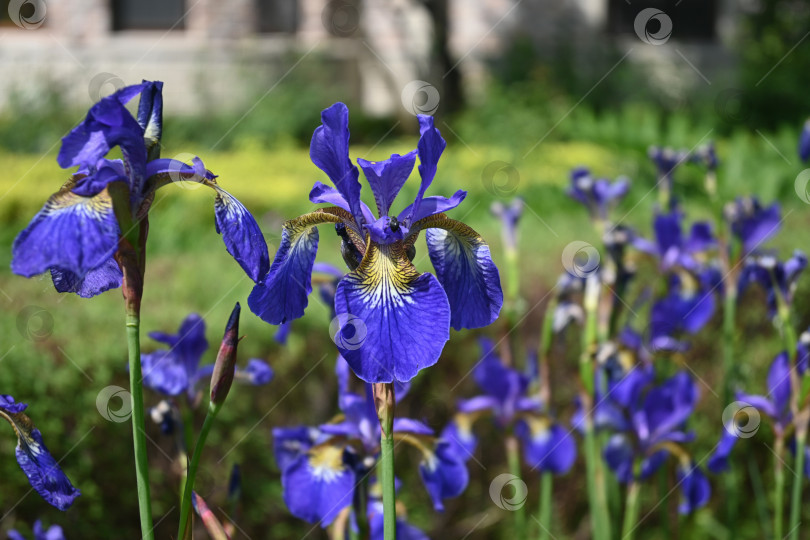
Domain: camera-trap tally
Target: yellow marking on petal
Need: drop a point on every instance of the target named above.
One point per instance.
(93, 207)
(326, 462)
(385, 276)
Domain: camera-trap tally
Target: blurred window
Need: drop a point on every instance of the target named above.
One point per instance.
(691, 21)
(148, 14)
(276, 16)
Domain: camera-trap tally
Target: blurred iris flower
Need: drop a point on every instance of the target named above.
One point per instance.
(778, 279)
(647, 422)
(407, 315)
(598, 195)
(775, 406)
(76, 235)
(804, 141)
(177, 370)
(35, 460)
(752, 223)
(672, 249)
(54, 532)
(323, 466)
(547, 445)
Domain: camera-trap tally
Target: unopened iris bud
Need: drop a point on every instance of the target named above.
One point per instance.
(384, 404)
(225, 366)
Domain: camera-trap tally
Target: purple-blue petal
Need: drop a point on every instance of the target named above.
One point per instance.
(397, 320)
(242, 236)
(430, 206)
(430, 148)
(290, 443)
(718, 462)
(695, 489)
(42, 470)
(470, 278)
(150, 110)
(105, 277)
(548, 448)
(282, 295)
(71, 232)
(318, 485)
(387, 177)
(329, 151)
(257, 372)
(444, 474)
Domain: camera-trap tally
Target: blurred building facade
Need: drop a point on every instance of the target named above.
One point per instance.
(226, 53)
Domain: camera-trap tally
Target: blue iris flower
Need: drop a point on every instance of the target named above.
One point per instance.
(327, 277)
(547, 445)
(647, 422)
(752, 223)
(407, 315)
(76, 234)
(54, 532)
(42, 470)
(598, 195)
(177, 370)
(672, 248)
(509, 214)
(778, 279)
(322, 466)
(775, 406)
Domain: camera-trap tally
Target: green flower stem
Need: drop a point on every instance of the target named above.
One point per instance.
(513, 458)
(796, 498)
(185, 503)
(387, 482)
(385, 403)
(631, 510)
(546, 484)
(730, 381)
(779, 486)
(133, 325)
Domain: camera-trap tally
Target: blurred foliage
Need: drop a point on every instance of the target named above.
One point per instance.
(775, 56)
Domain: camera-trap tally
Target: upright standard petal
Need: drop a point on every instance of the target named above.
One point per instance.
(42, 470)
(465, 269)
(387, 177)
(241, 234)
(150, 112)
(329, 151)
(72, 233)
(405, 316)
(282, 295)
(430, 148)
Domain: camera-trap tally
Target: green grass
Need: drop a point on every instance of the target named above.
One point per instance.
(188, 270)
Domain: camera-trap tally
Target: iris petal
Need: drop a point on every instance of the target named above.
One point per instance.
(282, 295)
(71, 232)
(317, 485)
(150, 111)
(465, 269)
(105, 277)
(321, 193)
(37, 463)
(387, 177)
(430, 148)
(242, 236)
(329, 151)
(444, 474)
(549, 449)
(430, 206)
(403, 316)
